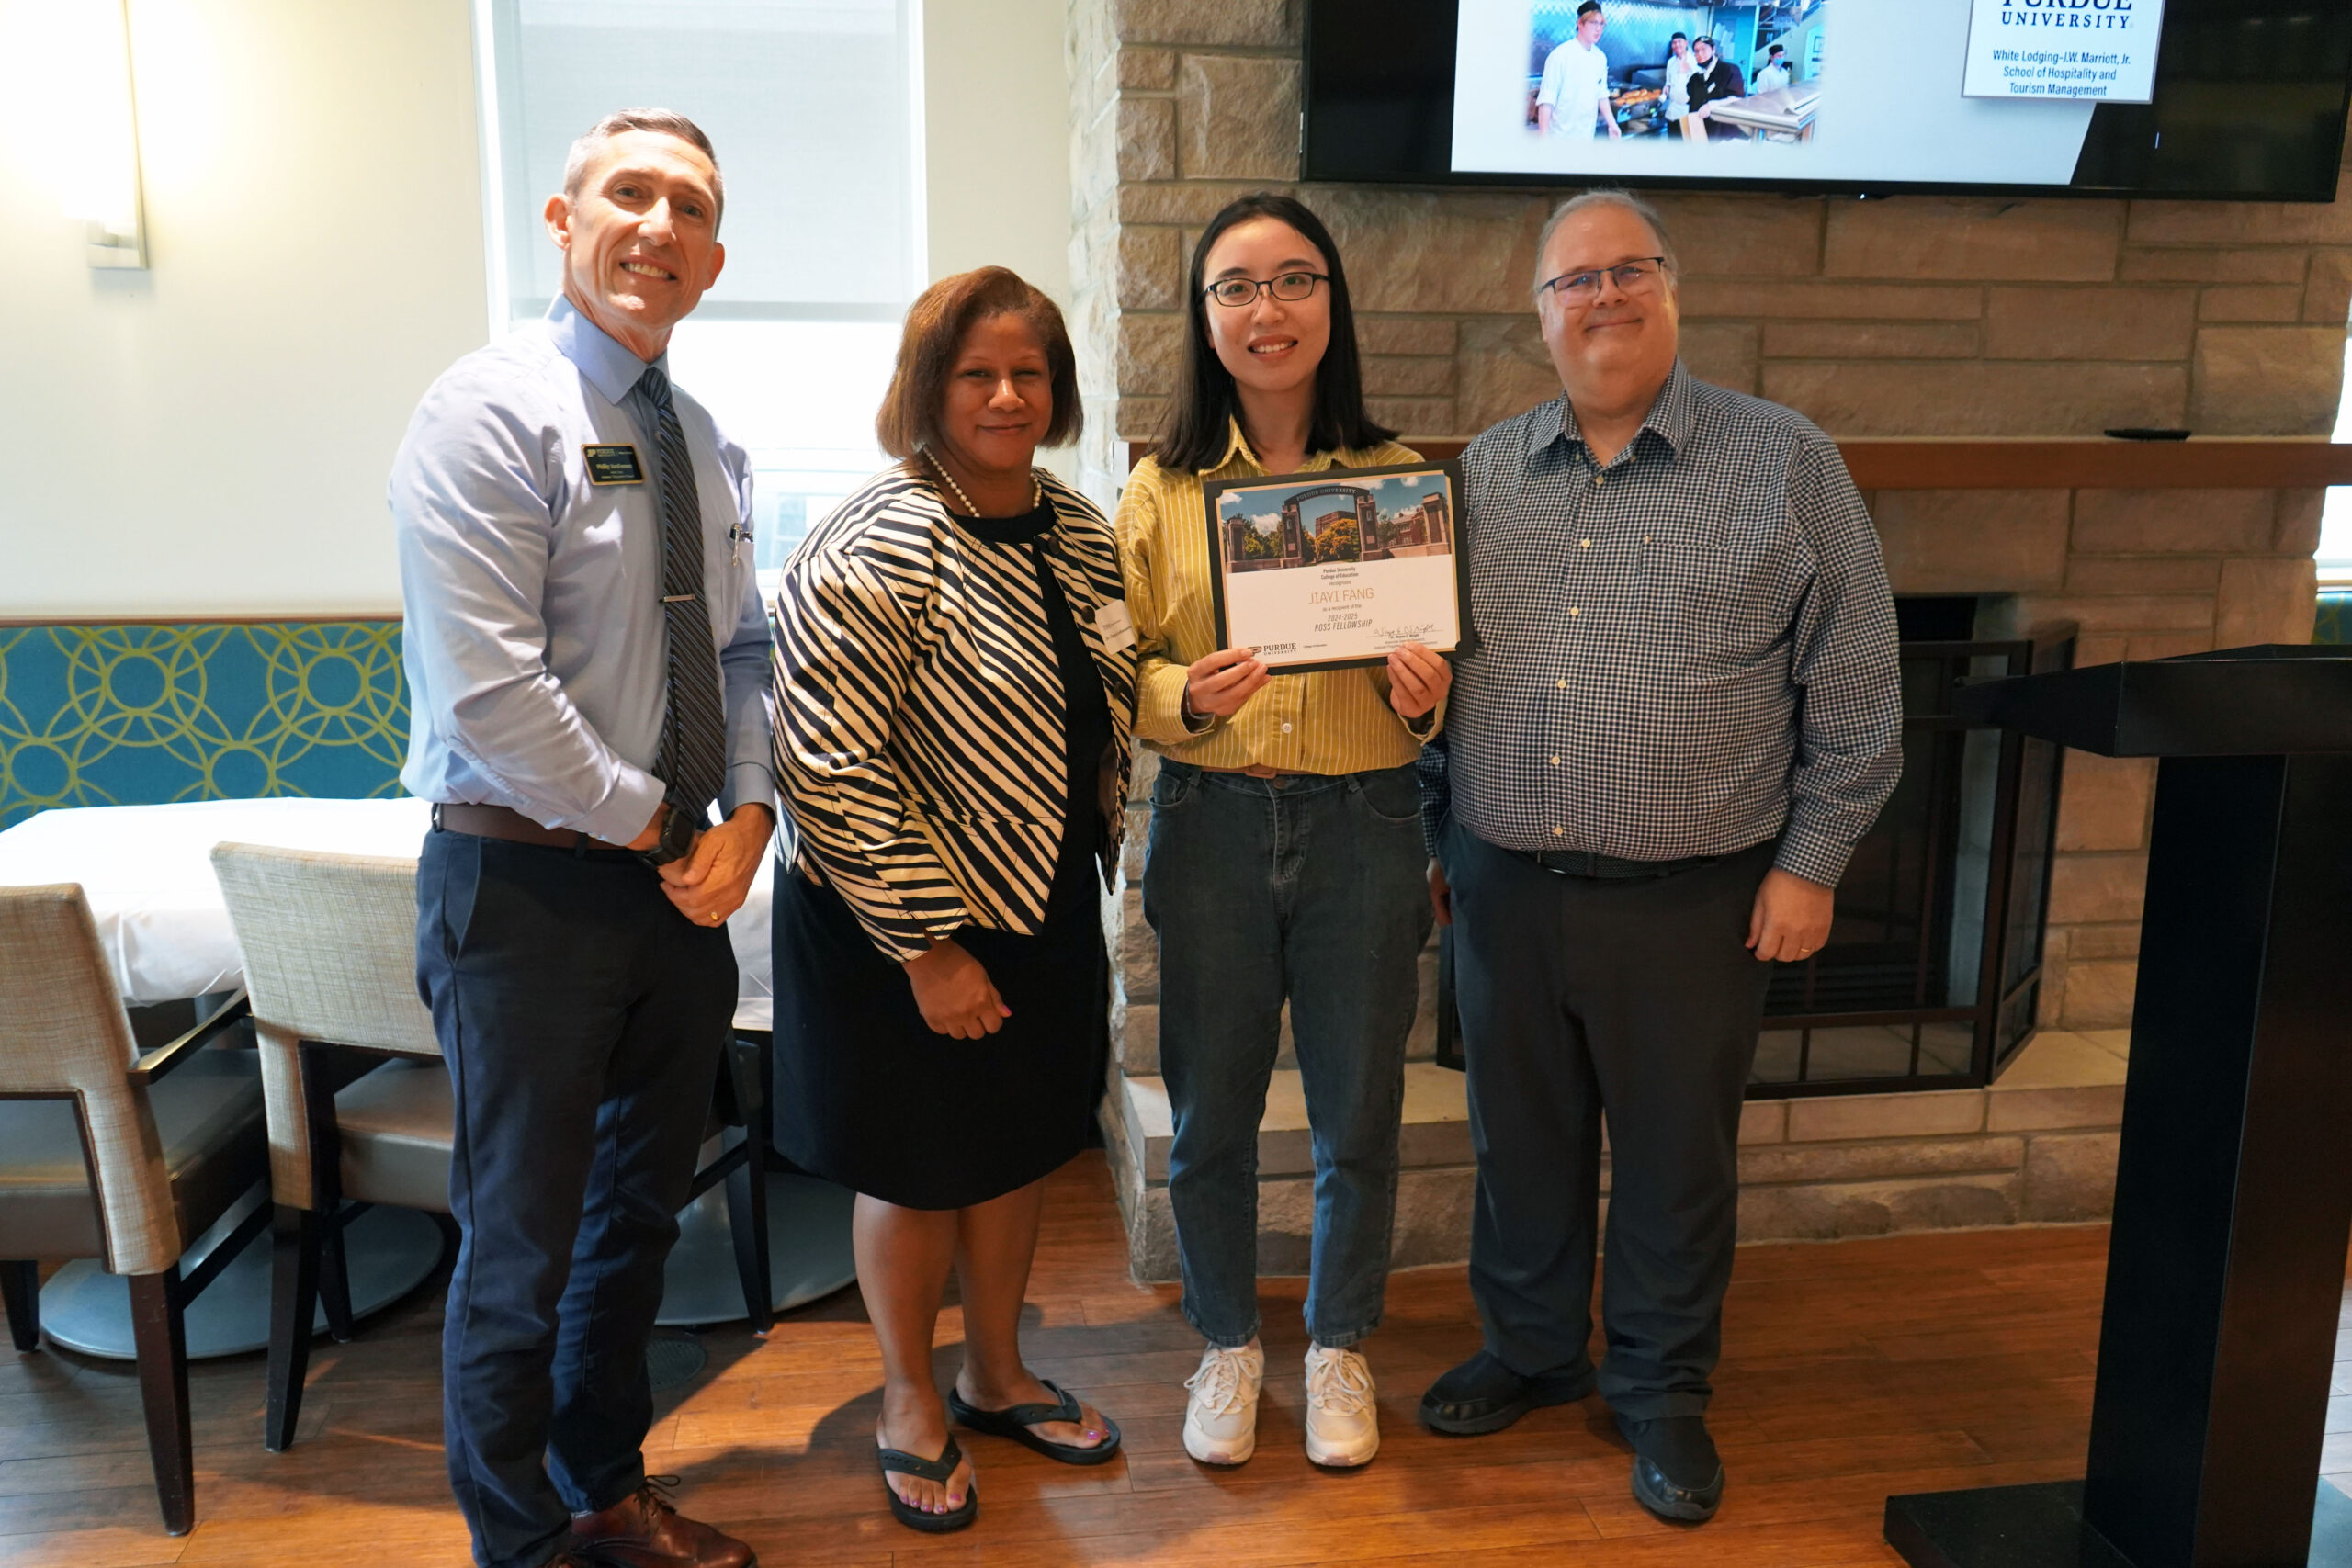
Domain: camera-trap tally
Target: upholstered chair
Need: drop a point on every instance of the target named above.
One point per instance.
(360, 1105)
(104, 1155)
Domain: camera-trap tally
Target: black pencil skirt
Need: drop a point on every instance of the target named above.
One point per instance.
(868, 1097)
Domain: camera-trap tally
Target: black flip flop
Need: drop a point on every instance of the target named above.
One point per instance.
(941, 1470)
(1015, 1420)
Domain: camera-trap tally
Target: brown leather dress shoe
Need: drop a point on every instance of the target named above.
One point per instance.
(644, 1530)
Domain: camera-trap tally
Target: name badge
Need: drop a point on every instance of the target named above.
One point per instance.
(1118, 628)
(613, 465)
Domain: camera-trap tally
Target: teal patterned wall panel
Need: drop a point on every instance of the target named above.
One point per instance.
(2335, 618)
(133, 715)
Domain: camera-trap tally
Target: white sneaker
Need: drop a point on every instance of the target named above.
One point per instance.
(1342, 1421)
(1221, 1419)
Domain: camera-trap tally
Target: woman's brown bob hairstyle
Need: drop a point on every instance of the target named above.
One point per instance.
(936, 323)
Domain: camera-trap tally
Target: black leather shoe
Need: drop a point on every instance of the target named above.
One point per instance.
(1483, 1396)
(1678, 1474)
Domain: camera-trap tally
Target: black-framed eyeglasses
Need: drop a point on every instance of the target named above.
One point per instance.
(1631, 278)
(1290, 286)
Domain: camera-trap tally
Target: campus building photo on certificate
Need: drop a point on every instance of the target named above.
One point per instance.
(1339, 566)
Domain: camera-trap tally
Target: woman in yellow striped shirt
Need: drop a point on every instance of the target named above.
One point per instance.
(1286, 860)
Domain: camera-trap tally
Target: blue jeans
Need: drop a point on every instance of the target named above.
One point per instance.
(1311, 888)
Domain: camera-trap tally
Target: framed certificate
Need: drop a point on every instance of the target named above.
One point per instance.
(1322, 570)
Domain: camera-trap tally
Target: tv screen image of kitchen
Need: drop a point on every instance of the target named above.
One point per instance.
(2198, 99)
(1715, 79)
(1955, 91)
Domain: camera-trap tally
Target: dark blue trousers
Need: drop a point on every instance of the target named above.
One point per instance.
(1638, 998)
(582, 1019)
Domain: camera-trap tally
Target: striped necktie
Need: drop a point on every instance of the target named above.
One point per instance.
(692, 759)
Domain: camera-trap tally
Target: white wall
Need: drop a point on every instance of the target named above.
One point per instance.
(996, 147)
(996, 135)
(211, 437)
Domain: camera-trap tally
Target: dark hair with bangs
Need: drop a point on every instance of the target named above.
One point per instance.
(1197, 433)
(937, 323)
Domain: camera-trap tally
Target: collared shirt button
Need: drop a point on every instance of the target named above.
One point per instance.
(1562, 685)
(1584, 543)
(1559, 832)
(1286, 727)
(1596, 479)
(1555, 761)
(1574, 610)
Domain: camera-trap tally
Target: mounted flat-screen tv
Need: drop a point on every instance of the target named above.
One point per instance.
(2225, 100)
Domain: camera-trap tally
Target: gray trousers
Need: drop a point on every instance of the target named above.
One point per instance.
(1633, 996)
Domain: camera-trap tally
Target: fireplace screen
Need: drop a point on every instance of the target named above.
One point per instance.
(1933, 969)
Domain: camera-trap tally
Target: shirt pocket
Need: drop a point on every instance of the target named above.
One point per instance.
(1711, 589)
(980, 823)
(1687, 566)
(741, 571)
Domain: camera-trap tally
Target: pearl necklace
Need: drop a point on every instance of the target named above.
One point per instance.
(1037, 487)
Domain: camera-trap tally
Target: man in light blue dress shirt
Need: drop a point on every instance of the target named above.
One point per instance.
(571, 898)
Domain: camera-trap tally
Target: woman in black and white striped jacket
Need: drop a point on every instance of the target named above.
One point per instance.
(955, 683)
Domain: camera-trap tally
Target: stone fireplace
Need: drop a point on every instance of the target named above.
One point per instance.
(1912, 318)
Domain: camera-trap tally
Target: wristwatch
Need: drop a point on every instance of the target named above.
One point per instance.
(678, 839)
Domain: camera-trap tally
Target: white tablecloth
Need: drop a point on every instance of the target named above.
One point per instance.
(147, 871)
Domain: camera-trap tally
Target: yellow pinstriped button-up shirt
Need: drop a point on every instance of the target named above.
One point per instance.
(1325, 721)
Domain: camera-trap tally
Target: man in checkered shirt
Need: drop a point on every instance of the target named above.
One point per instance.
(1684, 714)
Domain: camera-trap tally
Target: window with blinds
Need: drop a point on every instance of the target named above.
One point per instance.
(2335, 553)
(815, 109)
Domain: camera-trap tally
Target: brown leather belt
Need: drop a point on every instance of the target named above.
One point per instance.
(503, 822)
(1256, 771)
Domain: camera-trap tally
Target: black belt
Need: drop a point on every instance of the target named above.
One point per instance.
(1608, 868)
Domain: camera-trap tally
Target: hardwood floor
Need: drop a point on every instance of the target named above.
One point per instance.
(1851, 1372)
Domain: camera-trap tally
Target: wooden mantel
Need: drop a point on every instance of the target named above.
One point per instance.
(2213, 462)
(1963, 462)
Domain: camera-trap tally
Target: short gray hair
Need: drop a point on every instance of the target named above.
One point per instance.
(1609, 196)
(665, 122)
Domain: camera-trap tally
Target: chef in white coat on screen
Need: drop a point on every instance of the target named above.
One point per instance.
(1574, 98)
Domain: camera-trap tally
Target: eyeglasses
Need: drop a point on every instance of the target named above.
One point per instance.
(1237, 292)
(1635, 276)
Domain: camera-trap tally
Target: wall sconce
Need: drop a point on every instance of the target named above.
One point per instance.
(101, 184)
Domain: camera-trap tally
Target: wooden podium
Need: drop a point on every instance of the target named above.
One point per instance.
(2233, 1190)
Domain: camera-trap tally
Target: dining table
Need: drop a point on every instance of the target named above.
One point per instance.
(146, 871)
